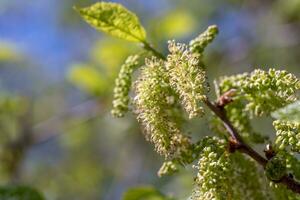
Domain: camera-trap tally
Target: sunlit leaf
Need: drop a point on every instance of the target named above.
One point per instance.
(290, 112)
(110, 53)
(87, 78)
(114, 19)
(19, 193)
(177, 23)
(144, 193)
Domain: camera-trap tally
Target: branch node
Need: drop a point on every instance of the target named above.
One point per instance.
(269, 151)
(226, 98)
(234, 145)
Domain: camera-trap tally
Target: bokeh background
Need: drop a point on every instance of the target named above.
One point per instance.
(57, 75)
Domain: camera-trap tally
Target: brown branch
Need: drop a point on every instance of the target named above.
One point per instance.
(240, 145)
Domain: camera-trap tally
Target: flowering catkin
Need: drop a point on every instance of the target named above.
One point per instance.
(270, 90)
(236, 109)
(198, 44)
(214, 169)
(264, 91)
(152, 106)
(287, 134)
(246, 180)
(122, 87)
(187, 77)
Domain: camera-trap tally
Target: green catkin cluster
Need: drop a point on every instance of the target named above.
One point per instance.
(123, 86)
(264, 91)
(198, 44)
(168, 168)
(214, 168)
(152, 106)
(287, 135)
(235, 110)
(186, 77)
(257, 93)
(270, 90)
(292, 163)
(246, 181)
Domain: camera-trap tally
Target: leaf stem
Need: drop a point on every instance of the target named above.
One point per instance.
(148, 47)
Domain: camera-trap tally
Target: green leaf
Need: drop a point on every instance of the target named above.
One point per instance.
(144, 193)
(115, 20)
(88, 79)
(19, 193)
(290, 113)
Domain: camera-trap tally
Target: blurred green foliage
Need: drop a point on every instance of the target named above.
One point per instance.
(144, 193)
(19, 193)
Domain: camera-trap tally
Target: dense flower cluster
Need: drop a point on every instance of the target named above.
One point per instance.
(257, 93)
(264, 91)
(246, 179)
(152, 105)
(122, 87)
(198, 44)
(168, 168)
(267, 91)
(214, 169)
(287, 134)
(186, 77)
(235, 110)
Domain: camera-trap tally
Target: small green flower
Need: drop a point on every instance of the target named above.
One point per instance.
(168, 168)
(287, 134)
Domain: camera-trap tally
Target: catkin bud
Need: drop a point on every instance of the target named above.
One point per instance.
(122, 87)
(198, 44)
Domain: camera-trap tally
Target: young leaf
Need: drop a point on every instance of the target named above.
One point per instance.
(291, 112)
(115, 20)
(144, 193)
(19, 193)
